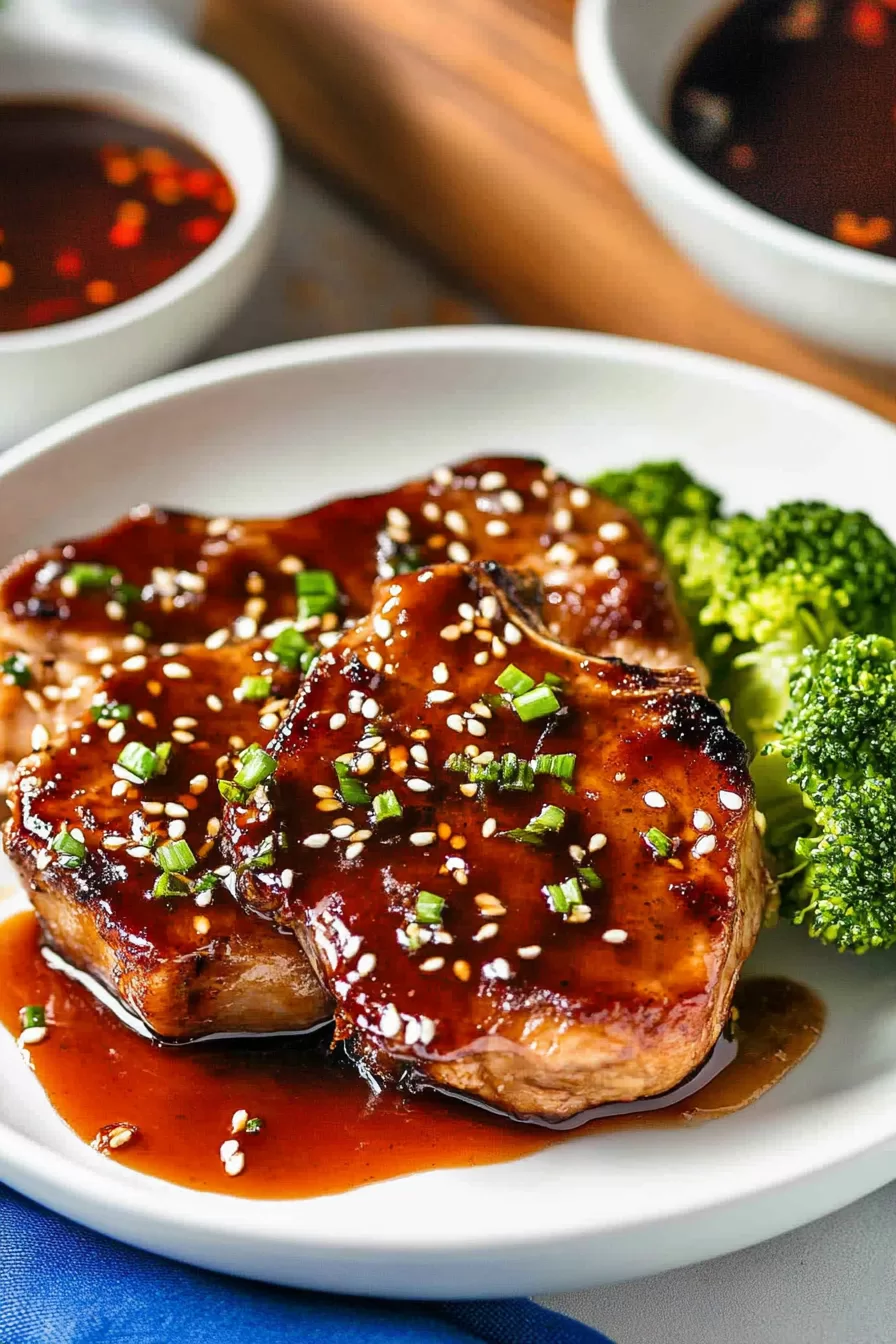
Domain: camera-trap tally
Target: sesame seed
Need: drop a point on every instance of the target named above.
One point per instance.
(702, 820)
(268, 722)
(217, 639)
(201, 925)
(705, 845)
(432, 964)
(499, 649)
(612, 531)
(579, 497)
(529, 953)
(539, 489)
(421, 838)
(178, 735)
(176, 671)
(365, 764)
(420, 754)
(115, 611)
(238, 1121)
(431, 511)
(40, 738)
(32, 1036)
(481, 658)
(355, 701)
(316, 841)
(366, 964)
(492, 480)
(455, 723)
(133, 643)
(439, 697)
(654, 799)
(579, 914)
(489, 826)
(562, 520)
(499, 969)
(119, 788)
(355, 850)
(370, 708)
(135, 664)
(214, 703)
(462, 970)
(597, 841)
(440, 673)
(419, 785)
(468, 789)
(605, 565)
(427, 1030)
(322, 791)
(732, 801)
(490, 906)
(562, 554)
(485, 931)
(290, 564)
(337, 721)
(217, 527)
(497, 527)
(512, 633)
(458, 552)
(390, 1022)
(98, 654)
(614, 936)
(382, 626)
(177, 811)
(456, 522)
(153, 809)
(412, 1031)
(576, 853)
(120, 1135)
(443, 476)
(177, 830)
(450, 632)
(341, 830)
(286, 878)
(234, 1165)
(511, 501)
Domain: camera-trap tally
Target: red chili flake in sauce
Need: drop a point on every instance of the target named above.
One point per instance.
(96, 208)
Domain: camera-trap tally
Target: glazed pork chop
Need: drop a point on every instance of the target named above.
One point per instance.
(114, 831)
(158, 579)
(524, 874)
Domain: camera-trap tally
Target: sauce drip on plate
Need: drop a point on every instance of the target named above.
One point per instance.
(322, 1130)
(96, 208)
(792, 105)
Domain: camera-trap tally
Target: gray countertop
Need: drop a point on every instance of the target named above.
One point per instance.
(833, 1282)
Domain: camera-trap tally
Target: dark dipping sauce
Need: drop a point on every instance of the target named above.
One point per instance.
(95, 209)
(323, 1131)
(792, 105)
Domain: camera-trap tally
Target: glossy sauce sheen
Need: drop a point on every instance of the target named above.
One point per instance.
(790, 104)
(96, 208)
(323, 1132)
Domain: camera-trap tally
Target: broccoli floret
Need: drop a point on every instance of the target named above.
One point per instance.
(826, 788)
(657, 493)
(765, 588)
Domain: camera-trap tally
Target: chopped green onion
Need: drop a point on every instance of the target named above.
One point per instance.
(72, 851)
(458, 762)
(589, 878)
(142, 629)
(291, 647)
(207, 882)
(535, 704)
(513, 681)
(564, 895)
(112, 710)
(176, 857)
(429, 908)
(263, 856)
(415, 942)
(516, 773)
(230, 792)
(317, 591)
(171, 884)
(33, 1015)
(661, 844)
(83, 575)
(386, 806)
(143, 763)
(352, 791)
(550, 818)
(255, 688)
(254, 1125)
(485, 772)
(255, 767)
(551, 679)
(560, 766)
(126, 592)
(16, 667)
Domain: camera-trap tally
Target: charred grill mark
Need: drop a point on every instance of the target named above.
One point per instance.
(699, 723)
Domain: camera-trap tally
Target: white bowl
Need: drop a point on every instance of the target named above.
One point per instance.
(281, 429)
(629, 53)
(50, 371)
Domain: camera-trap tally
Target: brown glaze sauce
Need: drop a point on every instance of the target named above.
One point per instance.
(96, 208)
(790, 104)
(323, 1131)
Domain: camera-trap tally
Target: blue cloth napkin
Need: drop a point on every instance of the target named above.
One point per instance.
(61, 1284)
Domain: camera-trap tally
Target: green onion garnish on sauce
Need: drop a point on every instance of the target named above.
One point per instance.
(352, 791)
(386, 806)
(254, 1124)
(255, 688)
(293, 650)
(33, 1015)
(263, 856)
(255, 767)
(112, 710)
(318, 592)
(560, 766)
(72, 851)
(550, 818)
(143, 763)
(17, 669)
(513, 681)
(564, 895)
(176, 857)
(171, 884)
(535, 704)
(589, 878)
(661, 844)
(429, 907)
(83, 576)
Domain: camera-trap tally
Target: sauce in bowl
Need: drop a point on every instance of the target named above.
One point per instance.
(96, 208)
(791, 104)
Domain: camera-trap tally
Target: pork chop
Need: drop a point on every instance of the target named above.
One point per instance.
(93, 819)
(159, 579)
(524, 874)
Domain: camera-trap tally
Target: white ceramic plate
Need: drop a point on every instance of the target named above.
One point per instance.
(280, 429)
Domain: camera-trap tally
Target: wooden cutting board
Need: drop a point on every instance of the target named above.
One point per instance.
(464, 122)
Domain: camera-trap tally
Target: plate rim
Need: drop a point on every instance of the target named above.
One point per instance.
(93, 1188)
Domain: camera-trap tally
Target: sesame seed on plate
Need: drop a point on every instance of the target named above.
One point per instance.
(497, 527)
(616, 936)
(492, 480)
(732, 801)
(316, 841)
(421, 838)
(390, 1022)
(702, 820)
(432, 964)
(605, 565)
(176, 671)
(458, 552)
(705, 845)
(654, 799)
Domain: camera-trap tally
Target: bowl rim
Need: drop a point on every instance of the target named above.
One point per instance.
(158, 48)
(626, 123)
